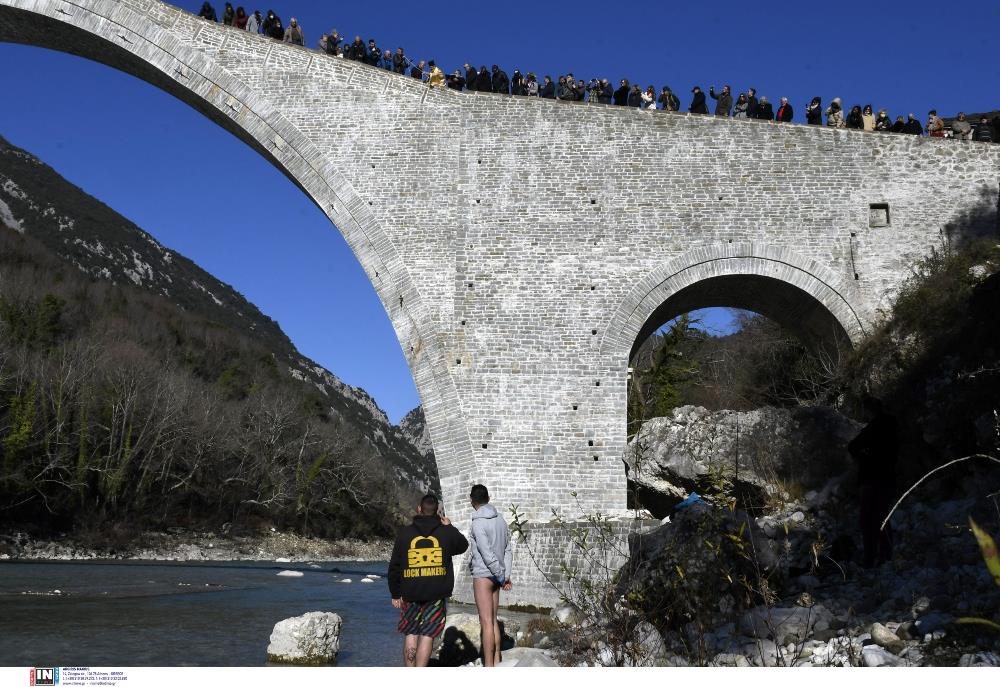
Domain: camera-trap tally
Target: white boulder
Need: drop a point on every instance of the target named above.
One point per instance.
(290, 573)
(310, 639)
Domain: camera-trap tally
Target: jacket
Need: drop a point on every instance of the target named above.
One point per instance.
(764, 111)
(814, 114)
(501, 83)
(492, 554)
(724, 104)
(621, 95)
(698, 104)
(548, 91)
(785, 113)
(421, 568)
(981, 132)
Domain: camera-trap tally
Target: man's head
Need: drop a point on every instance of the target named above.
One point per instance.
(961, 116)
(479, 495)
(784, 101)
(725, 89)
(294, 22)
(399, 51)
(696, 89)
(932, 113)
(984, 120)
(428, 505)
(371, 42)
(752, 91)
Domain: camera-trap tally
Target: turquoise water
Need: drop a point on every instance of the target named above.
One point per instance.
(184, 614)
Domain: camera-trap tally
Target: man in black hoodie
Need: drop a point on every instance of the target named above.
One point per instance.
(422, 577)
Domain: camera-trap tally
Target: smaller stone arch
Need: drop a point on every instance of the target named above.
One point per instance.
(798, 292)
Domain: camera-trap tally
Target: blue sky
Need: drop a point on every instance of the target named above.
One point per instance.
(201, 192)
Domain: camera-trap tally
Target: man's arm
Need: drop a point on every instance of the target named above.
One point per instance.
(396, 569)
(508, 556)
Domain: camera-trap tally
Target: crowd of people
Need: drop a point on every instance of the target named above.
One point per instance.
(746, 105)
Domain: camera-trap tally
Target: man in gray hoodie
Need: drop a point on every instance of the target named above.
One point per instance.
(490, 565)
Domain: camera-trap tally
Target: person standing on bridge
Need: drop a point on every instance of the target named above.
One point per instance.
(255, 24)
(490, 564)
(698, 105)
(293, 34)
(422, 577)
(208, 12)
(621, 95)
(814, 112)
(228, 14)
(241, 18)
(741, 106)
(935, 125)
(882, 122)
(784, 113)
(835, 114)
(724, 100)
(982, 131)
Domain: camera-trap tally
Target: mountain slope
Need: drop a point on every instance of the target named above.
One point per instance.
(78, 230)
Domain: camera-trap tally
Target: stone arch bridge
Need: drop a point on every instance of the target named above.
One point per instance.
(522, 247)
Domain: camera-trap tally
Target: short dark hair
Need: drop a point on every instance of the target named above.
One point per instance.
(479, 494)
(429, 504)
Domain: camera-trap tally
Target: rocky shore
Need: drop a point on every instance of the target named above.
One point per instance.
(183, 545)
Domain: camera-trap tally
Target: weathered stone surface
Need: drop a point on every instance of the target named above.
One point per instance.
(886, 638)
(785, 624)
(518, 278)
(461, 642)
(310, 639)
(523, 657)
(677, 454)
(875, 656)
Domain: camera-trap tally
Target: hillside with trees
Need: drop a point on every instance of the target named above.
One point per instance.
(138, 392)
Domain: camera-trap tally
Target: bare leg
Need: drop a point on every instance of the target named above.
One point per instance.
(424, 646)
(410, 651)
(482, 590)
(496, 625)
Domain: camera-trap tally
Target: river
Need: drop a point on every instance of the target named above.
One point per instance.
(143, 613)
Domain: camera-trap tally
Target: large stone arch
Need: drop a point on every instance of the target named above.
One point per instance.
(790, 288)
(130, 36)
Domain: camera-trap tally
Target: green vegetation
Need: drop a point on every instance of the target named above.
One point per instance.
(121, 411)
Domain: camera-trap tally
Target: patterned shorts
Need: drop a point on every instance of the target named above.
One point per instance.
(422, 617)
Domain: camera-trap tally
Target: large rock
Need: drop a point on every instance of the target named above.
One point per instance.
(460, 641)
(674, 455)
(691, 569)
(310, 639)
(874, 656)
(784, 625)
(523, 657)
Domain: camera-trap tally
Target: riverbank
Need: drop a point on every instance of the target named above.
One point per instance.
(182, 545)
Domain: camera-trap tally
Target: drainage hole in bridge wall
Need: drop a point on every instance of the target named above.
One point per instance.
(463, 323)
(484, 445)
(590, 442)
(593, 201)
(593, 332)
(595, 458)
(470, 284)
(597, 383)
(458, 361)
(477, 201)
(592, 287)
(575, 406)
